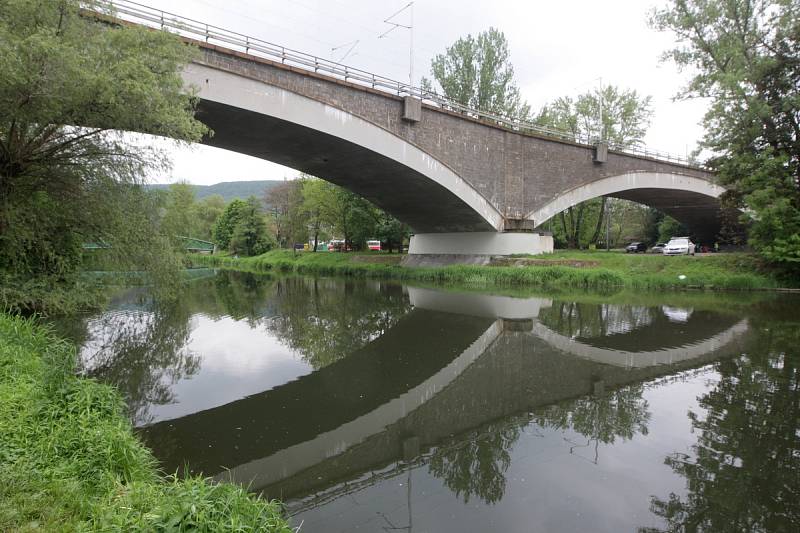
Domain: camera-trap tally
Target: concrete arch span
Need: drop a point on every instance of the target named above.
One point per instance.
(691, 200)
(261, 120)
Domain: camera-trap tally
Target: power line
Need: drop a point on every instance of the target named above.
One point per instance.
(352, 45)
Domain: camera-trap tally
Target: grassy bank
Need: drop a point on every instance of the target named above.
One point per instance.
(69, 460)
(592, 270)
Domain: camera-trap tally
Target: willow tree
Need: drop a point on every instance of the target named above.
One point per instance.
(71, 84)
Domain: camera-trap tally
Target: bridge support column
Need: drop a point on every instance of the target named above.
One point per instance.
(429, 249)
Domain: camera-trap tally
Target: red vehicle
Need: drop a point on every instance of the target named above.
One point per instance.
(374, 245)
(337, 245)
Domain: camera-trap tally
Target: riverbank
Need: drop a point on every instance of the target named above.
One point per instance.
(69, 459)
(590, 270)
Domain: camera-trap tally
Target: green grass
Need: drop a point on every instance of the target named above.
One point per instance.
(69, 460)
(613, 271)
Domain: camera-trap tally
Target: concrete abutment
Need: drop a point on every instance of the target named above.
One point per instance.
(436, 249)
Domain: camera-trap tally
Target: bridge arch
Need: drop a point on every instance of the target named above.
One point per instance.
(691, 200)
(252, 117)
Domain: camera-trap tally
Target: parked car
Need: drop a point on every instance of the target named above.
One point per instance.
(679, 246)
(658, 248)
(635, 248)
(374, 245)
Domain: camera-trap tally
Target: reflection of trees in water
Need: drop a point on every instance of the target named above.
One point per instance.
(142, 353)
(326, 320)
(142, 347)
(600, 419)
(476, 464)
(239, 295)
(744, 471)
(587, 320)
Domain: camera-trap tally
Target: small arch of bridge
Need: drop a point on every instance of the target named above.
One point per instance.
(691, 200)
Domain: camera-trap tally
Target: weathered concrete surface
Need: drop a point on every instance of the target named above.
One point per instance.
(479, 164)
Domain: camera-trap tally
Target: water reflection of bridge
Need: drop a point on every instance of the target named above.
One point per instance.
(457, 361)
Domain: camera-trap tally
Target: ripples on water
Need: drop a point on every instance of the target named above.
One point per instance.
(377, 406)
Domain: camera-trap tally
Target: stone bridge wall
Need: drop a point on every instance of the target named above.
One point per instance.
(518, 173)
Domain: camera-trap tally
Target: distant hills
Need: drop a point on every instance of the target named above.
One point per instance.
(229, 189)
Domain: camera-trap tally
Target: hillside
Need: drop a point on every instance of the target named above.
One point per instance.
(229, 189)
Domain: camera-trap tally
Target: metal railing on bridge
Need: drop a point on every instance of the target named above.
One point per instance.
(148, 16)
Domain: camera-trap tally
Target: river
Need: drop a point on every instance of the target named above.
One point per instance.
(378, 406)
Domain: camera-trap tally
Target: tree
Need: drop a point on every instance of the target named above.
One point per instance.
(391, 231)
(242, 229)
(477, 72)
(625, 115)
(746, 55)
(286, 211)
(69, 85)
(250, 235)
(179, 211)
(226, 223)
(207, 211)
(316, 196)
(669, 227)
(625, 118)
(350, 216)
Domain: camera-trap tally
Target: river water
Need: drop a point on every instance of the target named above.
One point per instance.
(376, 406)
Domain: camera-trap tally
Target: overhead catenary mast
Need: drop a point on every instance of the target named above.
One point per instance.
(410, 27)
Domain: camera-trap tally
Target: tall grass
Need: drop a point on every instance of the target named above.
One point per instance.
(613, 271)
(69, 460)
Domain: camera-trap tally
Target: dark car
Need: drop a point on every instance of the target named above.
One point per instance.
(635, 248)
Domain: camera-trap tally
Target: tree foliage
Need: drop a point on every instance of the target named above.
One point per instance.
(477, 72)
(206, 213)
(226, 223)
(67, 176)
(746, 59)
(250, 235)
(179, 211)
(391, 231)
(242, 228)
(316, 198)
(625, 115)
(286, 212)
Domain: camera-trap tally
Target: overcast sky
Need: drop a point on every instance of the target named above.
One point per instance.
(558, 48)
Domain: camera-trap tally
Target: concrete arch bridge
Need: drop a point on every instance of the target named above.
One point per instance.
(465, 181)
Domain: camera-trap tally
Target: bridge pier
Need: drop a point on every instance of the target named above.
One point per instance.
(432, 249)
